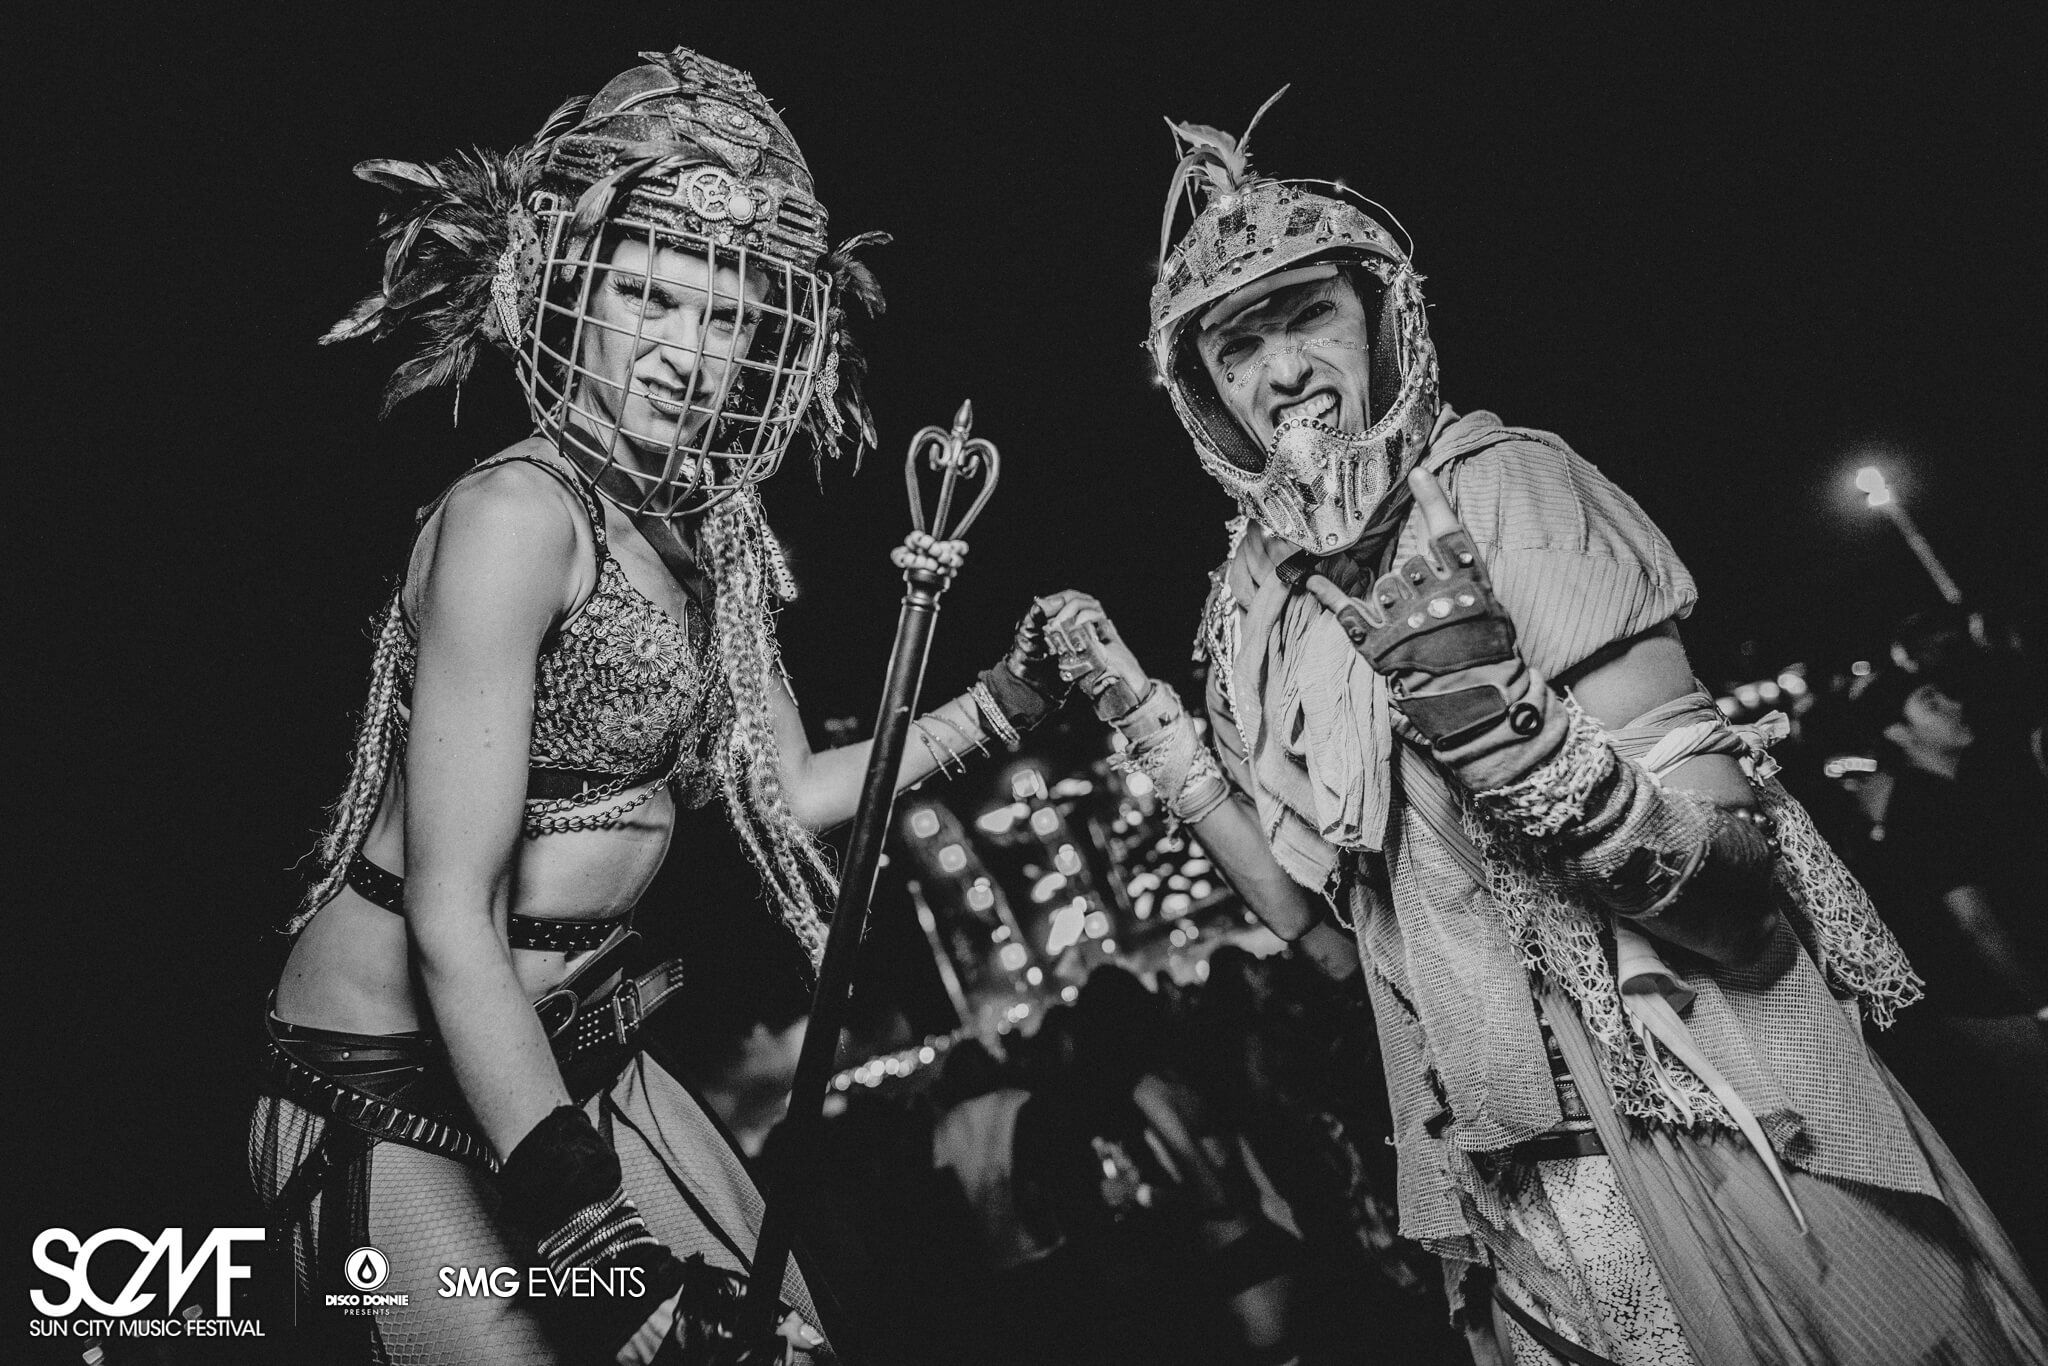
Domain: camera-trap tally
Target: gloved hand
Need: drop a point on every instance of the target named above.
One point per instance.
(1027, 683)
(1434, 629)
(563, 1186)
(1091, 654)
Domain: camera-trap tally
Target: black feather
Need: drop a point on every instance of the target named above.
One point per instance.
(443, 239)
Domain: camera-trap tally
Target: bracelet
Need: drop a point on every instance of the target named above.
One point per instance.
(1205, 790)
(939, 750)
(1554, 796)
(1159, 708)
(1160, 741)
(974, 742)
(998, 723)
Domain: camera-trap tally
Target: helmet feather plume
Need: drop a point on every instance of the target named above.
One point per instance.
(1212, 162)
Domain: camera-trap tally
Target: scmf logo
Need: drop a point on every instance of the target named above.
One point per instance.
(168, 1249)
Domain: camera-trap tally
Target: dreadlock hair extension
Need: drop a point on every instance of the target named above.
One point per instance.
(349, 821)
(741, 558)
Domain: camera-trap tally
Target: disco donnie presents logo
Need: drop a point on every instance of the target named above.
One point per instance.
(162, 1282)
(367, 1268)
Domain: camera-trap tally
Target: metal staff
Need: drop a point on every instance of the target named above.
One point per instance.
(955, 457)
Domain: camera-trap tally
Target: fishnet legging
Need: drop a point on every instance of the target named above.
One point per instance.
(425, 1212)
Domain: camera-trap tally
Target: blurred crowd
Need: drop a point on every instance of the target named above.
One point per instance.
(1941, 811)
(1194, 1172)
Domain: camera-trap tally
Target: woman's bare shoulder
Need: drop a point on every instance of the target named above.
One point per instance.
(509, 511)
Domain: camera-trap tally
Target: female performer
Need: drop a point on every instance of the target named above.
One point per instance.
(581, 640)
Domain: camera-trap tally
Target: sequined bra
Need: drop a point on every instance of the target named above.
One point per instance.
(624, 697)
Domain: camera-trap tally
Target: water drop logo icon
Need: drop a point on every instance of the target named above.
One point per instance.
(366, 1268)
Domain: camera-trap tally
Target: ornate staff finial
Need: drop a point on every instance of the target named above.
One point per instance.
(956, 457)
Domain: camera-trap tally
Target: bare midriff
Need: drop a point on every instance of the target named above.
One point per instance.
(350, 968)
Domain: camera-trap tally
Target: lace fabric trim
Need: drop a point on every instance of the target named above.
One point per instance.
(1565, 943)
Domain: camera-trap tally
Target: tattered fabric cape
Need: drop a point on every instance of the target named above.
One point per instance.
(1579, 565)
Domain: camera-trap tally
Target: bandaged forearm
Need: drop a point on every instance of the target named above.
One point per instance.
(1159, 741)
(1609, 830)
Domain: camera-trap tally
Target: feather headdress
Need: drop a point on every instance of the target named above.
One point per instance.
(460, 257)
(1212, 163)
(839, 404)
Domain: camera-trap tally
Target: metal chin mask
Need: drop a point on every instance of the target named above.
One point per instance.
(1313, 485)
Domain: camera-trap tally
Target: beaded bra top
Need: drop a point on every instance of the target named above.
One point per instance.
(624, 696)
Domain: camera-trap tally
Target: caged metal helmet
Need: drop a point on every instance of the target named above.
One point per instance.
(655, 261)
(1314, 486)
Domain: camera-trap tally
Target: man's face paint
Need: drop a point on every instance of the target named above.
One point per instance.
(1289, 356)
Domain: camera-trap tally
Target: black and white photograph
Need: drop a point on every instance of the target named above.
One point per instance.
(905, 684)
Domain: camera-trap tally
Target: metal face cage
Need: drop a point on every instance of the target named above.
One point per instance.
(674, 367)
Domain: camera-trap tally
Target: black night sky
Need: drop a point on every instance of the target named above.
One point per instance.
(1721, 251)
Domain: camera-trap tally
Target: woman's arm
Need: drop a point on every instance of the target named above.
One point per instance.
(823, 789)
(498, 576)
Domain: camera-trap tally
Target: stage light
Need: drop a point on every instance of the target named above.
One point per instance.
(1065, 930)
(1096, 925)
(1069, 993)
(1861, 668)
(1048, 887)
(1013, 957)
(1137, 784)
(952, 858)
(981, 896)
(999, 933)
(1067, 859)
(999, 820)
(1793, 682)
(1142, 906)
(1045, 822)
(1034, 976)
(1109, 946)
(924, 822)
(1870, 481)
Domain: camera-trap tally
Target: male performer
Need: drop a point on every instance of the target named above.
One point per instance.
(1616, 972)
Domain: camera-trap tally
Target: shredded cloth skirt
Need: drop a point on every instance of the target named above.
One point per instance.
(1884, 1278)
(426, 1212)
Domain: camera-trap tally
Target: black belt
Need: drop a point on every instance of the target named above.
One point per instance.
(381, 887)
(581, 1025)
(591, 1028)
(1561, 1143)
(334, 1097)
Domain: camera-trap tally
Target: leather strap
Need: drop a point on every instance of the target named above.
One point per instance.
(381, 1119)
(1546, 1336)
(381, 887)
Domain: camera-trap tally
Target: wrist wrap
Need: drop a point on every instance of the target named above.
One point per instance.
(1023, 704)
(1612, 832)
(1160, 742)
